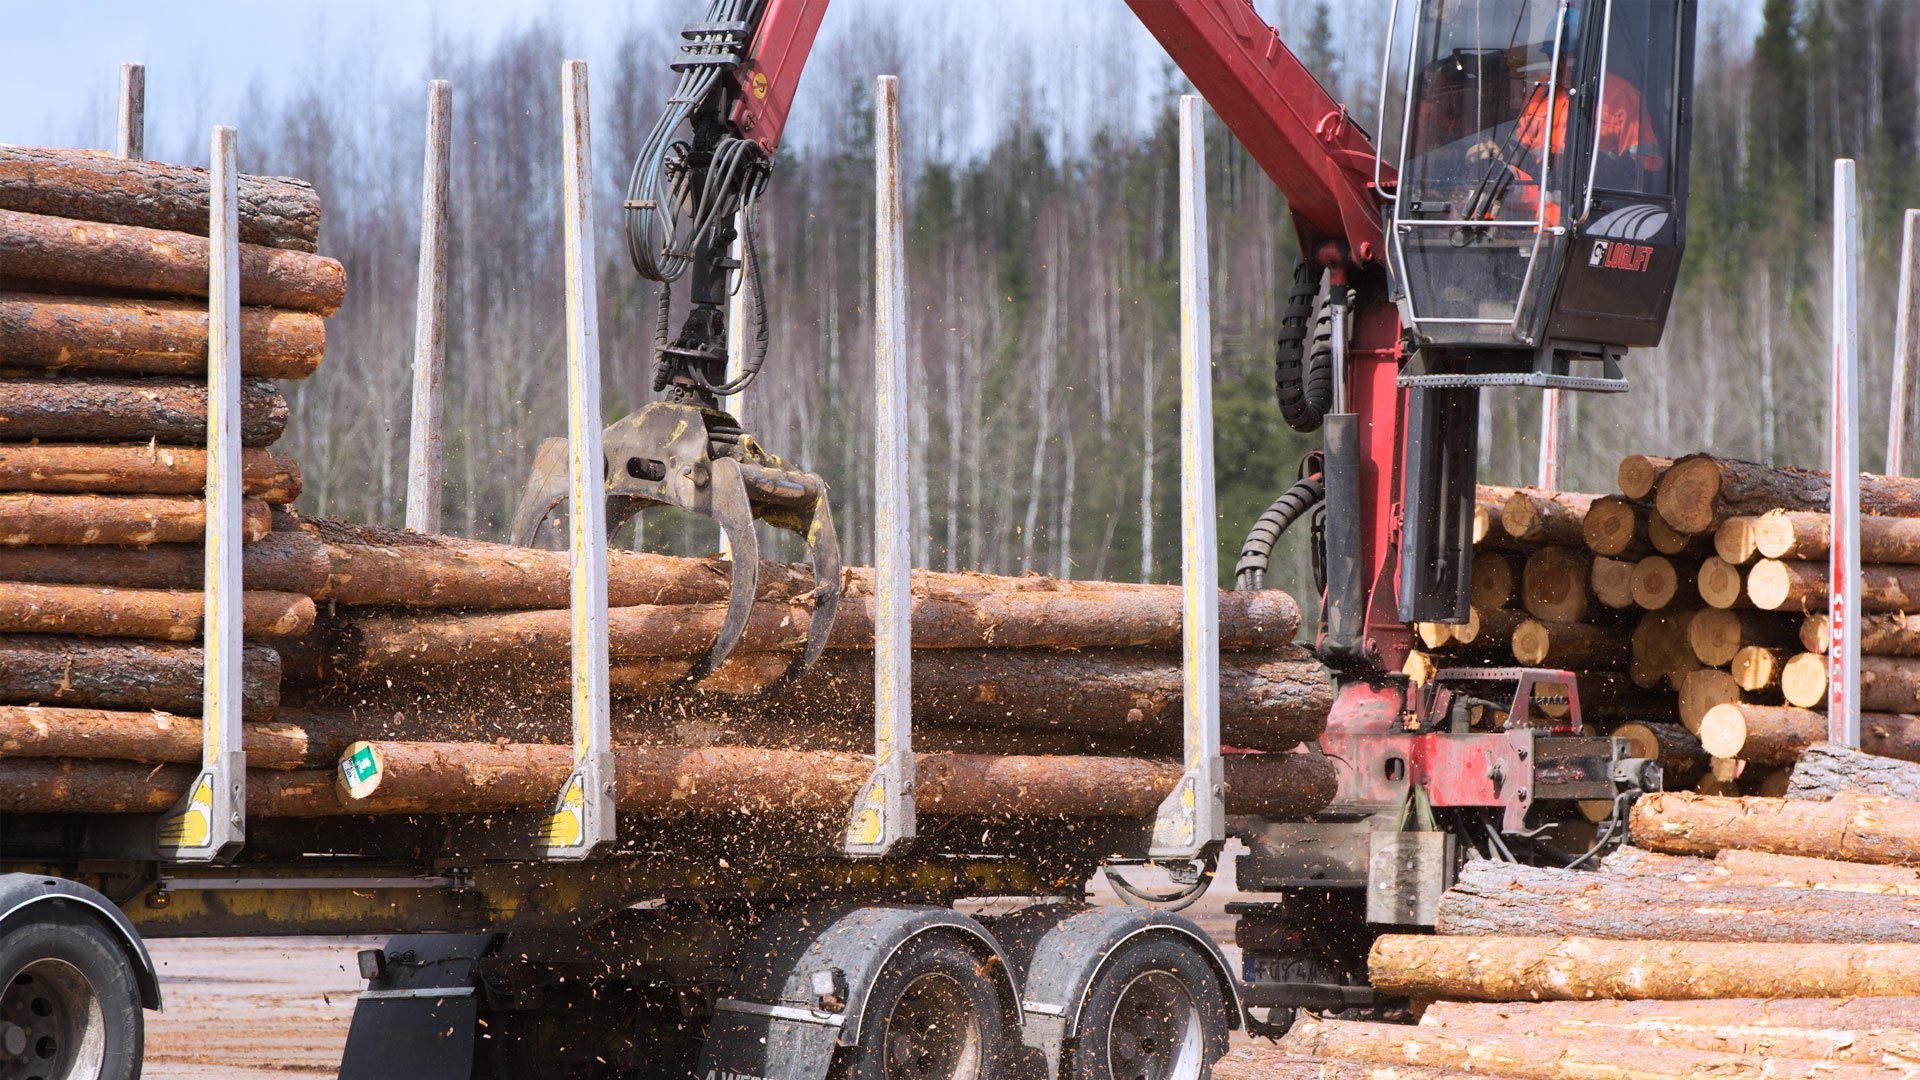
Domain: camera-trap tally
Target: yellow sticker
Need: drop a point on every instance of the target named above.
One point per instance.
(760, 85)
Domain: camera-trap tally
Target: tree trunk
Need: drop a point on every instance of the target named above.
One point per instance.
(1721, 584)
(1655, 582)
(1700, 691)
(1777, 585)
(275, 211)
(163, 614)
(1570, 645)
(395, 777)
(150, 337)
(1832, 1014)
(1700, 491)
(1825, 771)
(1611, 582)
(1808, 534)
(1728, 1031)
(117, 519)
(66, 786)
(78, 408)
(1532, 516)
(1736, 541)
(139, 470)
(1262, 1062)
(1803, 680)
(281, 561)
(29, 731)
(1615, 526)
(1554, 585)
(1678, 751)
(1495, 898)
(1758, 669)
(1668, 540)
(1578, 968)
(1639, 473)
(1488, 501)
(1889, 633)
(54, 670)
(136, 259)
(1659, 644)
(1800, 872)
(1538, 1056)
(1851, 828)
(1496, 581)
(1716, 635)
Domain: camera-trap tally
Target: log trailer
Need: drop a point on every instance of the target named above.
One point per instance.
(1527, 231)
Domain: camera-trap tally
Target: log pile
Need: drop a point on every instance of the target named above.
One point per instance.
(1740, 937)
(103, 464)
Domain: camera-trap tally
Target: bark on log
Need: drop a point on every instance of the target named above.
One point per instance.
(1716, 635)
(1655, 582)
(1700, 491)
(1888, 684)
(1827, 1014)
(1611, 582)
(1682, 759)
(1825, 771)
(1727, 1032)
(1721, 584)
(133, 258)
(1614, 525)
(29, 731)
(1638, 474)
(1570, 645)
(1538, 1056)
(159, 614)
(150, 337)
(1779, 585)
(108, 674)
(1668, 540)
(1807, 534)
(1553, 584)
(1700, 691)
(1576, 969)
(280, 561)
(1800, 872)
(1889, 633)
(462, 777)
(1496, 581)
(1758, 669)
(275, 211)
(1263, 620)
(1850, 828)
(79, 408)
(1735, 541)
(1508, 899)
(140, 470)
(66, 786)
(1532, 516)
(1258, 1062)
(117, 519)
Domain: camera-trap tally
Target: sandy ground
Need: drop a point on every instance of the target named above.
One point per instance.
(280, 1007)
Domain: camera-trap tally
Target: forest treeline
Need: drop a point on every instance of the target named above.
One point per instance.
(1043, 273)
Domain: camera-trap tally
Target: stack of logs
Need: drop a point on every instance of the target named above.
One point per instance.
(103, 418)
(450, 658)
(1693, 605)
(1740, 937)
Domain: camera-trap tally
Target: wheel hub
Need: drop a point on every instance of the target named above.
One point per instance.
(51, 1027)
(1155, 1032)
(933, 1033)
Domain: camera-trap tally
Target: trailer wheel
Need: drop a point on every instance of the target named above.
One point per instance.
(932, 1015)
(69, 1000)
(1154, 1012)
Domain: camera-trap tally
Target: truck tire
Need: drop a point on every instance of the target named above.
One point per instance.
(1154, 1012)
(931, 1015)
(69, 999)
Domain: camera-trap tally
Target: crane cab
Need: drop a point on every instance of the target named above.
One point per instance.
(1539, 217)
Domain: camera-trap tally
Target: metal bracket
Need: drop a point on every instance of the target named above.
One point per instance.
(582, 822)
(210, 822)
(884, 813)
(1193, 817)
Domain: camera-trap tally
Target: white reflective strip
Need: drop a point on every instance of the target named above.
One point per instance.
(1042, 1009)
(417, 992)
(780, 1012)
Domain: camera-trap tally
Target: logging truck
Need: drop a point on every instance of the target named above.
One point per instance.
(566, 903)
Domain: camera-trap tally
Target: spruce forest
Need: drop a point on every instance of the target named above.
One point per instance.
(1043, 270)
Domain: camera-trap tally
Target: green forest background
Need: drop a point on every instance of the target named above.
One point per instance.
(1043, 270)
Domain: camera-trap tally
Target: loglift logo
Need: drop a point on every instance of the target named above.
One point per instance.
(1613, 255)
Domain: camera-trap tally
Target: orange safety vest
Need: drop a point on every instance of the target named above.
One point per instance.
(1625, 128)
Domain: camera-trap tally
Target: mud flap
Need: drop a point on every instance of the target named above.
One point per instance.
(416, 1018)
(750, 1041)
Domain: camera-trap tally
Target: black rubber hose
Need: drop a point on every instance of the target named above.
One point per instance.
(1251, 571)
(1303, 384)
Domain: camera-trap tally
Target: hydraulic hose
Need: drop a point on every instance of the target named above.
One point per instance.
(1251, 571)
(1303, 383)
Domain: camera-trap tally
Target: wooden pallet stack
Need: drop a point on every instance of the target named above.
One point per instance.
(103, 414)
(1739, 937)
(450, 659)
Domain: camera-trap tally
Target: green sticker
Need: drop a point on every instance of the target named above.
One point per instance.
(360, 772)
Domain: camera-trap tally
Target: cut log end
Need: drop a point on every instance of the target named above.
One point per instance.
(1687, 493)
(1719, 583)
(1803, 681)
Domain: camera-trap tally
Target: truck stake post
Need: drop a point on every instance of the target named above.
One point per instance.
(1843, 556)
(424, 447)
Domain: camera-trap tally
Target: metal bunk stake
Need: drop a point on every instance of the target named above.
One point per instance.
(883, 815)
(1843, 556)
(209, 823)
(1194, 815)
